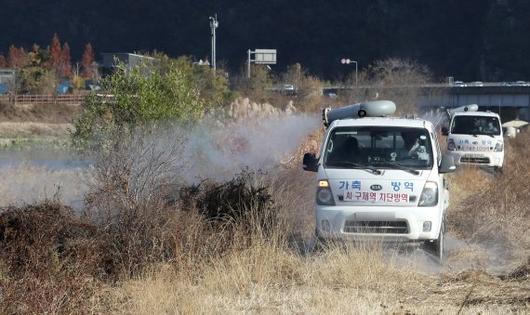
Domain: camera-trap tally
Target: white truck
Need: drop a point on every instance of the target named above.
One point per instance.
(475, 137)
(380, 178)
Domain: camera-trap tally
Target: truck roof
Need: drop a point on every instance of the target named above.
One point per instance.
(383, 121)
(485, 114)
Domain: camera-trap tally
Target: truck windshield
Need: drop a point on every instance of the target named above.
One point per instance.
(476, 125)
(381, 147)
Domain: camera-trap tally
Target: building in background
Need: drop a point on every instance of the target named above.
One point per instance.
(129, 60)
(7, 80)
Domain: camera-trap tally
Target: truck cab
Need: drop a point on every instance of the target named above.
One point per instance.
(475, 137)
(380, 177)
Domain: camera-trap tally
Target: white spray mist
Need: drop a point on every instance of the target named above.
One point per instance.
(219, 152)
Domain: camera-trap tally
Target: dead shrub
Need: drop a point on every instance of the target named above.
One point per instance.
(35, 237)
(134, 172)
(50, 260)
(242, 203)
(128, 199)
(57, 294)
(145, 218)
(520, 273)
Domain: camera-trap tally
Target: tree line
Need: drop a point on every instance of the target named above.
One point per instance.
(40, 69)
(471, 40)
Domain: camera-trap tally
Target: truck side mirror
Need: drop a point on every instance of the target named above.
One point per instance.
(310, 162)
(445, 131)
(448, 164)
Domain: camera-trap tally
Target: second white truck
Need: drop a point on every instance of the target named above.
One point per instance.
(475, 137)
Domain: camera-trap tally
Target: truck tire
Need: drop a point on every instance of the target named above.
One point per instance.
(437, 246)
(319, 243)
(497, 170)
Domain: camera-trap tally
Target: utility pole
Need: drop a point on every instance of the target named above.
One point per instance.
(248, 63)
(214, 23)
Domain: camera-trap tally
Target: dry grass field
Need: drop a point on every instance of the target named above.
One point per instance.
(42, 123)
(142, 246)
(267, 278)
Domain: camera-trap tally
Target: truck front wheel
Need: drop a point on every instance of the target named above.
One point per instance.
(437, 246)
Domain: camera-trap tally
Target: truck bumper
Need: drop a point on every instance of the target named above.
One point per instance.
(388, 224)
(494, 159)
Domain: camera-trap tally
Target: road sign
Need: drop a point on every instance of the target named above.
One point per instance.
(265, 56)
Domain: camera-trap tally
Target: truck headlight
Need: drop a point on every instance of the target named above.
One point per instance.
(499, 147)
(324, 194)
(429, 195)
(451, 145)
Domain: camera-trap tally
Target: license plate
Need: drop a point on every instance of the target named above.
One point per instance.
(478, 149)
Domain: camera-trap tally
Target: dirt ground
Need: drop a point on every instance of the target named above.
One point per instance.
(41, 113)
(40, 123)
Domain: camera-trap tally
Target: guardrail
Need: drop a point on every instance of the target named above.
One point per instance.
(30, 99)
(433, 85)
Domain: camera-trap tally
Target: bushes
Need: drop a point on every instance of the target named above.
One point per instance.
(135, 199)
(51, 261)
(138, 98)
(265, 87)
(48, 258)
(32, 238)
(212, 86)
(240, 203)
(36, 80)
(258, 86)
(170, 90)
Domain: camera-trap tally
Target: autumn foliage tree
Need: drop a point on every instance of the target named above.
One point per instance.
(86, 62)
(3, 61)
(55, 53)
(17, 57)
(65, 65)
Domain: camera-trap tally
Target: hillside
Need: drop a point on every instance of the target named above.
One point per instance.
(471, 40)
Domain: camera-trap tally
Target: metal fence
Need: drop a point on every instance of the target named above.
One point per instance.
(25, 99)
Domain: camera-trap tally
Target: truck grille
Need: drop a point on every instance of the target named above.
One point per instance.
(472, 159)
(384, 227)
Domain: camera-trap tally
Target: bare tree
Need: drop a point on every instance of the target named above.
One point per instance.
(395, 79)
(132, 174)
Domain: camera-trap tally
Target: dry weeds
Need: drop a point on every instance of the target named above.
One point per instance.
(493, 209)
(270, 280)
(30, 129)
(150, 254)
(42, 113)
